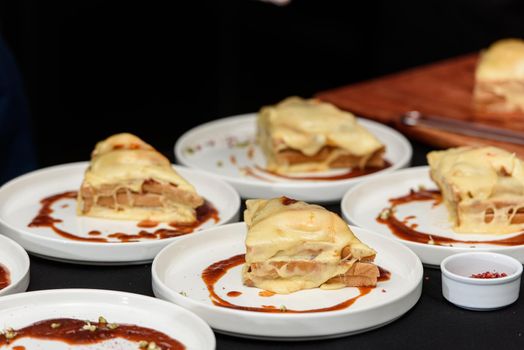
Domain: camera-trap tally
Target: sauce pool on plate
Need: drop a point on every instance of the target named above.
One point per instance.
(406, 231)
(214, 272)
(79, 332)
(5, 277)
(44, 218)
(259, 172)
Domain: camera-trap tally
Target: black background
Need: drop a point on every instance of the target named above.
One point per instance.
(156, 68)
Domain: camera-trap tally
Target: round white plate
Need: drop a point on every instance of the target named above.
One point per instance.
(16, 261)
(177, 273)
(21, 310)
(225, 146)
(19, 204)
(362, 204)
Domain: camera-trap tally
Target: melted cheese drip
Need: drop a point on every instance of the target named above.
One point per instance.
(475, 181)
(308, 126)
(297, 232)
(124, 161)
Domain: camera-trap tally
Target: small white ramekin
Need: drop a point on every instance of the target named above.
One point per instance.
(478, 294)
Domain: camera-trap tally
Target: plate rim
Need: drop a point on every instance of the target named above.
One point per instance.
(181, 159)
(25, 276)
(454, 249)
(157, 282)
(89, 292)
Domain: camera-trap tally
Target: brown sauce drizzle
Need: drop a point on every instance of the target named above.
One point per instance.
(250, 152)
(248, 171)
(70, 331)
(44, 218)
(234, 294)
(5, 277)
(354, 172)
(419, 195)
(384, 275)
(287, 201)
(403, 230)
(266, 293)
(213, 273)
(147, 224)
(409, 217)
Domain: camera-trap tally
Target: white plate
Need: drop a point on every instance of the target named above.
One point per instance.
(19, 204)
(177, 273)
(15, 259)
(21, 310)
(362, 204)
(211, 146)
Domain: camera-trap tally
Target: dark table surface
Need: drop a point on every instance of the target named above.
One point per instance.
(432, 323)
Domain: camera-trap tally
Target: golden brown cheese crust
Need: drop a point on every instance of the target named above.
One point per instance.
(499, 78)
(483, 188)
(128, 179)
(292, 245)
(309, 135)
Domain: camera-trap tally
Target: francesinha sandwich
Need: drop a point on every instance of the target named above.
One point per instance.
(482, 187)
(292, 245)
(299, 135)
(128, 179)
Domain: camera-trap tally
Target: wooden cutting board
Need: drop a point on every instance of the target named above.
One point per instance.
(443, 89)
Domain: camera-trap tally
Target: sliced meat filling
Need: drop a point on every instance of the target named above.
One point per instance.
(360, 274)
(291, 156)
(153, 194)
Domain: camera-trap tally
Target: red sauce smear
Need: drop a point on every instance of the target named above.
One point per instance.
(266, 293)
(407, 218)
(354, 172)
(5, 277)
(250, 152)
(147, 224)
(419, 195)
(384, 275)
(287, 201)
(213, 273)
(70, 332)
(250, 172)
(44, 218)
(18, 347)
(234, 294)
(487, 274)
(273, 307)
(408, 233)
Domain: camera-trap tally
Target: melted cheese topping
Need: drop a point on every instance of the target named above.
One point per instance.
(309, 125)
(477, 181)
(124, 161)
(297, 232)
(503, 60)
(500, 73)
